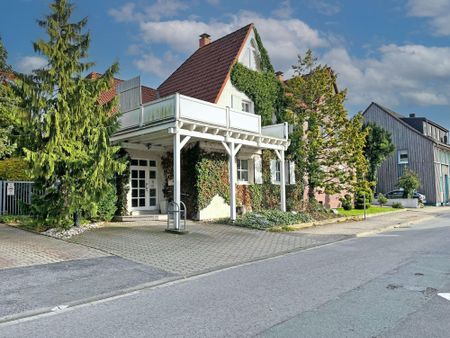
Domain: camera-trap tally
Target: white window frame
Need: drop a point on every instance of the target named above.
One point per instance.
(241, 171)
(399, 155)
(246, 103)
(278, 171)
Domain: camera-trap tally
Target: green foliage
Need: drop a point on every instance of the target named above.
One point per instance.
(70, 156)
(363, 190)
(378, 147)
(409, 182)
(262, 87)
(326, 145)
(347, 203)
(212, 178)
(122, 184)
(106, 205)
(14, 169)
(7, 144)
(382, 200)
(397, 205)
(267, 219)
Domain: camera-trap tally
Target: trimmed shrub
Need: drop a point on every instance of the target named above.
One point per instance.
(14, 168)
(397, 205)
(347, 203)
(382, 200)
(271, 218)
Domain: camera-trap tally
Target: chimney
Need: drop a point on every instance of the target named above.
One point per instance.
(412, 115)
(205, 39)
(279, 76)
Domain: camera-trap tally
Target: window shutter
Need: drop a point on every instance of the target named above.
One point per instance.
(258, 170)
(273, 168)
(291, 172)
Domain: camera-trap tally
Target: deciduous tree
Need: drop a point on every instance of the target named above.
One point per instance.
(326, 144)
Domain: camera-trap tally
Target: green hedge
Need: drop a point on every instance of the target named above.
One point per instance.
(14, 169)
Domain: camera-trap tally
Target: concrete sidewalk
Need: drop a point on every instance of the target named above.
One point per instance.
(376, 223)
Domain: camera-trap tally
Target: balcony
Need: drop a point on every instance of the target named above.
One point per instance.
(192, 111)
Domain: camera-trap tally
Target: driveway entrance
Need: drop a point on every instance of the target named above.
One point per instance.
(205, 247)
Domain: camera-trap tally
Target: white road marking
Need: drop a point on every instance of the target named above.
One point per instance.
(444, 295)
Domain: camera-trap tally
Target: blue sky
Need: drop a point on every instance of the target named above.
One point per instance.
(395, 52)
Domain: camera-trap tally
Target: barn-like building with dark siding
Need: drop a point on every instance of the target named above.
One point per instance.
(421, 145)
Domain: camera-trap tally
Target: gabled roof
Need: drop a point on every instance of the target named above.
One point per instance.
(204, 74)
(400, 118)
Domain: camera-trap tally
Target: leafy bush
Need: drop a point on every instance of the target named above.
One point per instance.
(409, 182)
(14, 169)
(382, 199)
(397, 205)
(347, 203)
(271, 218)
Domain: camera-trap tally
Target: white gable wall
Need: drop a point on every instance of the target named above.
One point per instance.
(230, 96)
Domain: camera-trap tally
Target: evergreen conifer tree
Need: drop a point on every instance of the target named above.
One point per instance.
(70, 156)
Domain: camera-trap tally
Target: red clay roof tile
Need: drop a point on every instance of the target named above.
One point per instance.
(204, 73)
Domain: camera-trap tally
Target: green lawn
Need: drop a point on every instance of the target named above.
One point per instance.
(371, 211)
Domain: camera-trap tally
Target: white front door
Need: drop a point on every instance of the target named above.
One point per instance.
(144, 185)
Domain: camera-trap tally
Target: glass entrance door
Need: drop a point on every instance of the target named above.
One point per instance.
(144, 185)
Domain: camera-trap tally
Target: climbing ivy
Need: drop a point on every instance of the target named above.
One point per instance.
(262, 87)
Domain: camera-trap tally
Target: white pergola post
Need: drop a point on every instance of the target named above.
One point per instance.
(178, 144)
(176, 177)
(232, 150)
(280, 155)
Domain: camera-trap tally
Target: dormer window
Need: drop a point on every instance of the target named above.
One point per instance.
(246, 106)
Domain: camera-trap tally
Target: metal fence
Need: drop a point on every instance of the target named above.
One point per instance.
(15, 196)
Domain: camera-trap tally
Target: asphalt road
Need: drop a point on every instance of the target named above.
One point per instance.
(381, 286)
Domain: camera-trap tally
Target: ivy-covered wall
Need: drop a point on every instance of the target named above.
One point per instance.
(205, 175)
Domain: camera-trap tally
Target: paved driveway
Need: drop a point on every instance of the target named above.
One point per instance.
(205, 247)
(22, 248)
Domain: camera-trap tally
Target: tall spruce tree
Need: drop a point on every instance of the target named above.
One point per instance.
(71, 158)
(326, 144)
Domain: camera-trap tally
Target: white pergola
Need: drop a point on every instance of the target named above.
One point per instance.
(176, 120)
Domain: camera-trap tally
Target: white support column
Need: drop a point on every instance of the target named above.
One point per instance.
(176, 176)
(232, 182)
(283, 182)
(232, 150)
(280, 155)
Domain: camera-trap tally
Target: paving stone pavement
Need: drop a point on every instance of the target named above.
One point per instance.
(22, 248)
(205, 247)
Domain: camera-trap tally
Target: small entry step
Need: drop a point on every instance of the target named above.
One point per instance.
(141, 218)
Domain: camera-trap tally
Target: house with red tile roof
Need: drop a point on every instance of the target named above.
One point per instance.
(198, 106)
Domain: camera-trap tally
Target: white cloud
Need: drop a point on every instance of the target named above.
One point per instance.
(437, 11)
(284, 11)
(412, 74)
(124, 14)
(283, 39)
(161, 67)
(27, 64)
(160, 9)
(324, 7)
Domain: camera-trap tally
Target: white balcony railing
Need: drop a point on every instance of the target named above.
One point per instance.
(187, 108)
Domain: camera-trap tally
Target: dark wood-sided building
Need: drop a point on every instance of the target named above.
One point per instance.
(421, 145)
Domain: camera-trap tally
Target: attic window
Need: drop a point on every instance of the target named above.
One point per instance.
(251, 57)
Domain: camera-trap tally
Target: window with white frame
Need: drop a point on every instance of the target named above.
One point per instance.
(403, 157)
(278, 171)
(246, 106)
(242, 170)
